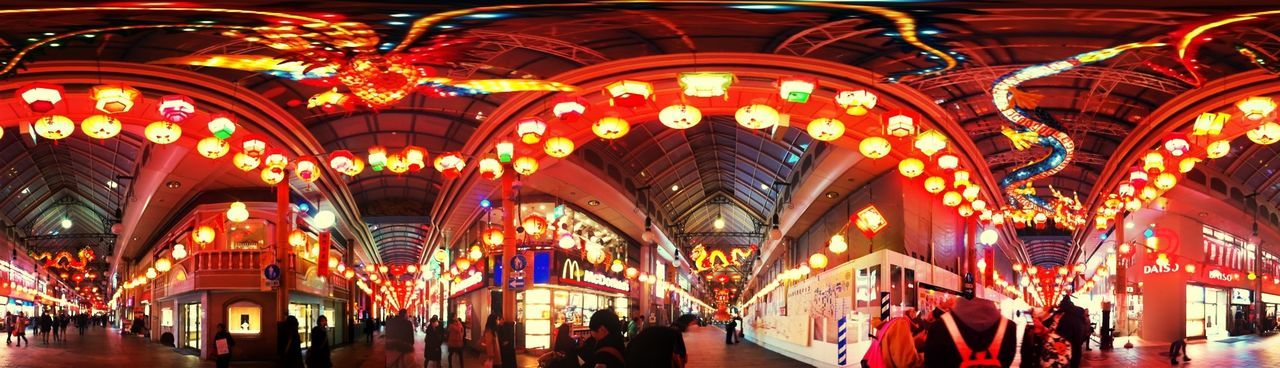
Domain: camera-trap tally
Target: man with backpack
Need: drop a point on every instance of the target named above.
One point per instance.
(971, 335)
(660, 346)
(1073, 326)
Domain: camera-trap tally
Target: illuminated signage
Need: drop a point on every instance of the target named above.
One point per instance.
(474, 280)
(571, 271)
(1220, 276)
(1156, 268)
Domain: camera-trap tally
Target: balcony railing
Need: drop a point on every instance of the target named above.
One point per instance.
(226, 260)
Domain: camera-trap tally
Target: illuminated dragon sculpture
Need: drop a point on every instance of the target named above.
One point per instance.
(716, 260)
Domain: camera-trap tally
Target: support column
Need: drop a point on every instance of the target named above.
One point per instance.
(283, 227)
(971, 250)
(1122, 282)
(646, 267)
(509, 221)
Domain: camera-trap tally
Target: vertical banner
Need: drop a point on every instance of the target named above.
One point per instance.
(842, 339)
(988, 273)
(884, 306)
(322, 260)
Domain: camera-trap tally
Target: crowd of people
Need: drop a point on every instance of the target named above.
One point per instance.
(46, 326)
(973, 333)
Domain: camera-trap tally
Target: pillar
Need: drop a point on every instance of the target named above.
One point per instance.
(1122, 282)
(971, 252)
(646, 267)
(283, 227)
(509, 220)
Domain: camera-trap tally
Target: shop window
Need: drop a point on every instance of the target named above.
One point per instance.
(248, 235)
(166, 317)
(244, 318)
(868, 286)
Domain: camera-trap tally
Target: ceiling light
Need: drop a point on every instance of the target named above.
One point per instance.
(112, 184)
(675, 187)
(764, 186)
(593, 203)
(396, 23)
(832, 195)
(66, 223)
(173, 184)
(718, 223)
(401, 15)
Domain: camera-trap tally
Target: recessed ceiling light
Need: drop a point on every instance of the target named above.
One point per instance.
(188, 29)
(396, 23)
(49, 33)
(173, 184)
(764, 186)
(55, 44)
(593, 203)
(675, 187)
(832, 194)
(401, 15)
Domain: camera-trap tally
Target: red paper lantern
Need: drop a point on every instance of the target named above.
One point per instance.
(569, 109)
(40, 97)
(176, 108)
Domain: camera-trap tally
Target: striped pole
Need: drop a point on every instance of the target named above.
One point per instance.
(884, 306)
(842, 334)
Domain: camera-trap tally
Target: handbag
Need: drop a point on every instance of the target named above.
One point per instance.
(1056, 351)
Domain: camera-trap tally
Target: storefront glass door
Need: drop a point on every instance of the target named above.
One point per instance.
(191, 325)
(1215, 308)
(1195, 311)
(306, 314)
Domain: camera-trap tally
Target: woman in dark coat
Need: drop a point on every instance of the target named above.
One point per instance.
(435, 336)
(566, 346)
(318, 353)
(507, 342)
(223, 360)
(289, 343)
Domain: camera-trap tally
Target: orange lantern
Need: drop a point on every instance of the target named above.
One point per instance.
(450, 164)
(114, 99)
(535, 225)
(818, 261)
(397, 164)
(212, 147)
(272, 175)
(493, 236)
(203, 235)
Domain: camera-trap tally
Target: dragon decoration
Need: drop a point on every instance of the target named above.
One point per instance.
(68, 265)
(716, 260)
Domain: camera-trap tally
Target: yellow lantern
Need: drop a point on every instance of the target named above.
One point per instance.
(970, 193)
(965, 210)
(163, 264)
(238, 212)
(212, 147)
(1210, 123)
(837, 244)
(757, 116)
(948, 161)
(1165, 181)
(1148, 193)
(934, 184)
(297, 239)
(1153, 162)
(276, 159)
(874, 147)
(54, 127)
(440, 255)
(825, 129)
(272, 175)
(245, 162)
(203, 235)
(1256, 108)
(1218, 149)
(900, 125)
(525, 165)
(680, 116)
(1187, 164)
(705, 84)
(450, 164)
(475, 253)
(611, 127)
(616, 266)
(978, 205)
(531, 130)
(960, 178)
(558, 147)
(856, 103)
(493, 237)
(931, 141)
(462, 263)
(490, 168)
(100, 126)
(163, 132)
(114, 99)
(396, 163)
(534, 225)
(151, 273)
(1267, 133)
(818, 261)
(179, 251)
(911, 167)
(951, 199)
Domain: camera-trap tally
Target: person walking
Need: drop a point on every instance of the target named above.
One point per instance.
(289, 343)
(399, 335)
(367, 323)
(9, 323)
(455, 342)
(223, 343)
(1074, 326)
(20, 328)
(318, 354)
(82, 323)
(46, 325)
(660, 346)
(489, 343)
(435, 336)
(971, 334)
(730, 331)
(63, 322)
(633, 327)
(607, 331)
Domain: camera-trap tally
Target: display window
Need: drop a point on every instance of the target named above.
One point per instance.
(244, 318)
(247, 235)
(166, 317)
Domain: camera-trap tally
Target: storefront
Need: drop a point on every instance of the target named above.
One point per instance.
(571, 291)
(1270, 306)
(1206, 312)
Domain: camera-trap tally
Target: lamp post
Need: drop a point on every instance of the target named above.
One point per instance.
(1257, 271)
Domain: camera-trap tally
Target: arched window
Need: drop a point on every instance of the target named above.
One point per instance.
(1217, 185)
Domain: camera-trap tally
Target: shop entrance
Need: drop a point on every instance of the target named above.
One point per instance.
(1206, 312)
(191, 325)
(306, 314)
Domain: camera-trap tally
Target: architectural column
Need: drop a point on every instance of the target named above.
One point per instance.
(283, 227)
(1122, 283)
(509, 221)
(646, 267)
(971, 249)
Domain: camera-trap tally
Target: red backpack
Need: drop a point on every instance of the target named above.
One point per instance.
(976, 359)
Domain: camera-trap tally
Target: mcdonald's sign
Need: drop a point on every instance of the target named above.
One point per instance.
(572, 273)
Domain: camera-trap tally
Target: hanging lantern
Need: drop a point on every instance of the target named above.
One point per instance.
(450, 164)
(900, 125)
(825, 129)
(100, 126)
(1210, 123)
(960, 178)
(911, 167)
(874, 147)
(114, 99)
(490, 168)
(163, 132)
(203, 235)
(416, 157)
(951, 199)
(1187, 164)
(306, 169)
(463, 263)
(837, 244)
(558, 147)
(505, 149)
(1267, 133)
(1148, 193)
(1177, 144)
(965, 210)
(1218, 149)
(475, 253)
(531, 130)
(397, 164)
(757, 116)
(978, 205)
(970, 193)
(569, 109)
(856, 103)
(40, 97)
(179, 252)
(341, 161)
(930, 142)
(705, 84)
(237, 212)
(870, 221)
(492, 237)
(948, 161)
(176, 108)
(1138, 177)
(245, 162)
(628, 93)
(611, 127)
(818, 261)
(616, 266)
(632, 273)
(272, 175)
(1256, 108)
(151, 273)
(525, 165)
(275, 159)
(212, 147)
(680, 116)
(253, 146)
(223, 127)
(54, 127)
(377, 157)
(535, 225)
(567, 241)
(935, 184)
(1165, 181)
(797, 89)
